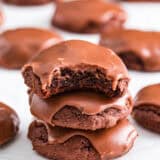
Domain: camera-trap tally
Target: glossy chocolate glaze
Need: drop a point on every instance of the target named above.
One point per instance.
(148, 96)
(144, 44)
(18, 46)
(76, 53)
(88, 103)
(9, 123)
(89, 15)
(109, 143)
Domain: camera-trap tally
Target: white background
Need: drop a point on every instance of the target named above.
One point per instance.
(13, 90)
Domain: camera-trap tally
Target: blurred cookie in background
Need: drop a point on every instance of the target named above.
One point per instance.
(140, 50)
(9, 124)
(18, 46)
(88, 16)
(146, 109)
(27, 2)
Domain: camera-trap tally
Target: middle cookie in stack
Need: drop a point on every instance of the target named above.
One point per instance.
(79, 96)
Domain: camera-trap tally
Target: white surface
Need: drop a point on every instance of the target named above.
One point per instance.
(13, 90)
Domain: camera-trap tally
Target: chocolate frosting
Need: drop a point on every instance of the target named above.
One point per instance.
(149, 95)
(75, 53)
(145, 45)
(89, 103)
(109, 143)
(87, 13)
(9, 123)
(18, 46)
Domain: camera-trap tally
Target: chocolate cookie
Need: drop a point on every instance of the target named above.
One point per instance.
(81, 110)
(18, 46)
(147, 107)
(9, 124)
(138, 49)
(76, 65)
(90, 16)
(27, 2)
(67, 144)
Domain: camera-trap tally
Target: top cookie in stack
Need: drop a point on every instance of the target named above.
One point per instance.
(79, 92)
(76, 65)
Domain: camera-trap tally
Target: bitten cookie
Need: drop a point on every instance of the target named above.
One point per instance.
(9, 124)
(67, 144)
(90, 16)
(147, 107)
(27, 2)
(81, 110)
(18, 46)
(138, 49)
(76, 65)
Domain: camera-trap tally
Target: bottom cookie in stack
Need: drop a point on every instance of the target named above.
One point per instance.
(71, 144)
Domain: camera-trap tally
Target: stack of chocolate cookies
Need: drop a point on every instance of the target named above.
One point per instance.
(79, 96)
